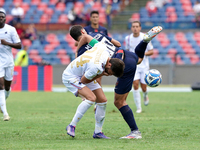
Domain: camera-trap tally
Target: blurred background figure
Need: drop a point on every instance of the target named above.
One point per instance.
(22, 58)
(196, 9)
(108, 15)
(20, 30)
(17, 12)
(31, 33)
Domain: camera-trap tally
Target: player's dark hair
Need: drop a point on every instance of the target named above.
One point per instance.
(137, 22)
(75, 31)
(94, 12)
(3, 13)
(117, 66)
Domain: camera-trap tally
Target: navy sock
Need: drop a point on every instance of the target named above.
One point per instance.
(128, 117)
(140, 49)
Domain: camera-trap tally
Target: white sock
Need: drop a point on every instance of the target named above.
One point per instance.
(145, 94)
(7, 93)
(137, 98)
(81, 110)
(3, 102)
(100, 116)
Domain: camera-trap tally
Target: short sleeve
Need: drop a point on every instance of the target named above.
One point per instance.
(15, 36)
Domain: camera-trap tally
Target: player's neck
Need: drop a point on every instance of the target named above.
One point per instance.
(136, 34)
(95, 26)
(2, 25)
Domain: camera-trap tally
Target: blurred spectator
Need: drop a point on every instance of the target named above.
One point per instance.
(21, 58)
(17, 12)
(196, 9)
(151, 7)
(108, 15)
(75, 18)
(31, 32)
(65, 1)
(71, 15)
(160, 3)
(20, 30)
(2, 9)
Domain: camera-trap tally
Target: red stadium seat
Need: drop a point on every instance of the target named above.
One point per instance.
(49, 48)
(61, 52)
(48, 11)
(42, 6)
(35, 2)
(194, 59)
(51, 37)
(17, 1)
(44, 18)
(172, 54)
(26, 42)
(8, 18)
(96, 6)
(161, 36)
(63, 18)
(33, 53)
(179, 60)
(37, 59)
(2, 2)
(155, 53)
(53, 2)
(65, 60)
(25, 7)
(60, 6)
(135, 16)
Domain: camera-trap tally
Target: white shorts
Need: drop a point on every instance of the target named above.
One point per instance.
(140, 74)
(7, 73)
(73, 83)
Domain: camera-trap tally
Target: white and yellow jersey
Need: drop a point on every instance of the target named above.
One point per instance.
(91, 63)
(9, 34)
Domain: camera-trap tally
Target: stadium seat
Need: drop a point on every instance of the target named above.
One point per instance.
(194, 59)
(65, 60)
(42, 6)
(53, 2)
(63, 18)
(33, 53)
(26, 42)
(61, 52)
(36, 2)
(37, 59)
(60, 6)
(44, 18)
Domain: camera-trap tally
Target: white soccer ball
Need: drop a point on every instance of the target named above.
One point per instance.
(153, 78)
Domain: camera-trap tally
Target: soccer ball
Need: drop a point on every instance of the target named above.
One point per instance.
(153, 78)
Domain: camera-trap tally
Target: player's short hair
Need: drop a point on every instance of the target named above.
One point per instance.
(94, 12)
(117, 66)
(3, 13)
(75, 31)
(136, 21)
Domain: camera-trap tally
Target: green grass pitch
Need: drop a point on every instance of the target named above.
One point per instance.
(38, 120)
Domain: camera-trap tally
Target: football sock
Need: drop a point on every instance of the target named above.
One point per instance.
(140, 49)
(3, 102)
(137, 98)
(145, 94)
(128, 117)
(81, 110)
(100, 116)
(7, 93)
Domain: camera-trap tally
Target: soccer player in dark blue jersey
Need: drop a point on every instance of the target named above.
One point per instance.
(94, 26)
(124, 83)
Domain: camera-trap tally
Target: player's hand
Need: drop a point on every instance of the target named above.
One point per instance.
(3, 42)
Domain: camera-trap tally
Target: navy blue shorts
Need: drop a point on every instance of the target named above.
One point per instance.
(124, 83)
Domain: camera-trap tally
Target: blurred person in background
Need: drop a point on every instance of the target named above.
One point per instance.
(108, 15)
(31, 32)
(196, 9)
(21, 58)
(8, 39)
(17, 12)
(20, 30)
(132, 41)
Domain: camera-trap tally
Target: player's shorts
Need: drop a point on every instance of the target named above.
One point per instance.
(124, 83)
(73, 83)
(140, 74)
(7, 73)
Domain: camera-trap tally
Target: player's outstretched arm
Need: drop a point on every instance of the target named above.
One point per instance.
(116, 43)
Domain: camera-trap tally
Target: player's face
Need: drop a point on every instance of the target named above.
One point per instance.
(2, 19)
(136, 28)
(94, 19)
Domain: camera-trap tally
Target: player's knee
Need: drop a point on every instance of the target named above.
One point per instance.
(118, 103)
(1, 86)
(135, 86)
(91, 98)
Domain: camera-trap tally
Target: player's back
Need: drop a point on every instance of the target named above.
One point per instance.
(101, 38)
(93, 60)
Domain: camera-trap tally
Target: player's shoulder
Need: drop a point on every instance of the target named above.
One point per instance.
(9, 26)
(102, 28)
(87, 27)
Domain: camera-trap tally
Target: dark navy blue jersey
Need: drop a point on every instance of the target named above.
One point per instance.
(91, 30)
(101, 38)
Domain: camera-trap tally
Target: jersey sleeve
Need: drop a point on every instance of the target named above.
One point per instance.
(126, 43)
(93, 72)
(119, 54)
(14, 36)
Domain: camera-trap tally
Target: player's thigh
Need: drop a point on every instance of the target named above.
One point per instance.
(2, 72)
(137, 75)
(87, 93)
(9, 73)
(100, 96)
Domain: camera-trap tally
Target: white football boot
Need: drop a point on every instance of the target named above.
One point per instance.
(133, 135)
(152, 33)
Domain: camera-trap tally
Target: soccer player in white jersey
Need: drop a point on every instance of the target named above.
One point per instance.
(79, 78)
(8, 39)
(132, 41)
